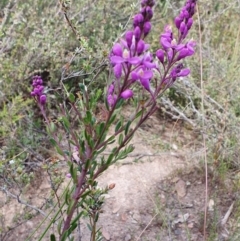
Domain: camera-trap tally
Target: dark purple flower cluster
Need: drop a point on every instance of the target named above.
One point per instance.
(184, 20)
(132, 61)
(38, 89)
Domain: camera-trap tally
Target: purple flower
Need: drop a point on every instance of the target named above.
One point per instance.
(160, 55)
(43, 99)
(179, 71)
(138, 20)
(143, 75)
(127, 94)
(111, 99)
(68, 175)
(38, 89)
(117, 49)
(147, 28)
(188, 50)
(117, 71)
(129, 37)
(125, 58)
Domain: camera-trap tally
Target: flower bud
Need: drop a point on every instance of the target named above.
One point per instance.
(128, 37)
(138, 20)
(189, 23)
(160, 55)
(177, 21)
(43, 99)
(137, 33)
(140, 46)
(117, 49)
(147, 28)
(127, 94)
(117, 71)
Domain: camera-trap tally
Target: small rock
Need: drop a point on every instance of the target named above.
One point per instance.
(190, 225)
(180, 188)
(181, 219)
(175, 179)
(137, 217)
(211, 205)
(177, 231)
(175, 147)
(127, 237)
(116, 208)
(124, 217)
(105, 234)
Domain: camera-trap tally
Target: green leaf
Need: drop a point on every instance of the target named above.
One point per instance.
(101, 150)
(89, 227)
(87, 164)
(82, 87)
(119, 103)
(73, 172)
(59, 226)
(71, 97)
(120, 139)
(88, 116)
(96, 217)
(65, 235)
(99, 128)
(118, 125)
(72, 227)
(67, 197)
(59, 150)
(110, 157)
(52, 127)
(70, 205)
(53, 142)
(127, 127)
(139, 114)
(112, 119)
(52, 237)
(66, 123)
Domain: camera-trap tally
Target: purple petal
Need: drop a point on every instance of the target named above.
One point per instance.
(183, 53)
(178, 21)
(110, 89)
(160, 55)
(165, 43)
(134, 76)
(117, 60)
(68, 175)
(127, 94)
(117, 49)
(134, 60)
(179, 47)
(147, 28)
(140, 46)
(43, 99)
(128, 37)
(137, 33)
(189, 23)
(145, 83)
(111, 99)
(117, 71)
(184, 72)
(138, 19)
(147, 74)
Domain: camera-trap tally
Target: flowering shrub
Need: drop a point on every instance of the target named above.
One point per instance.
(133, 64)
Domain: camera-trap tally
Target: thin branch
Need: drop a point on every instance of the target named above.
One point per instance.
(17, 197)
